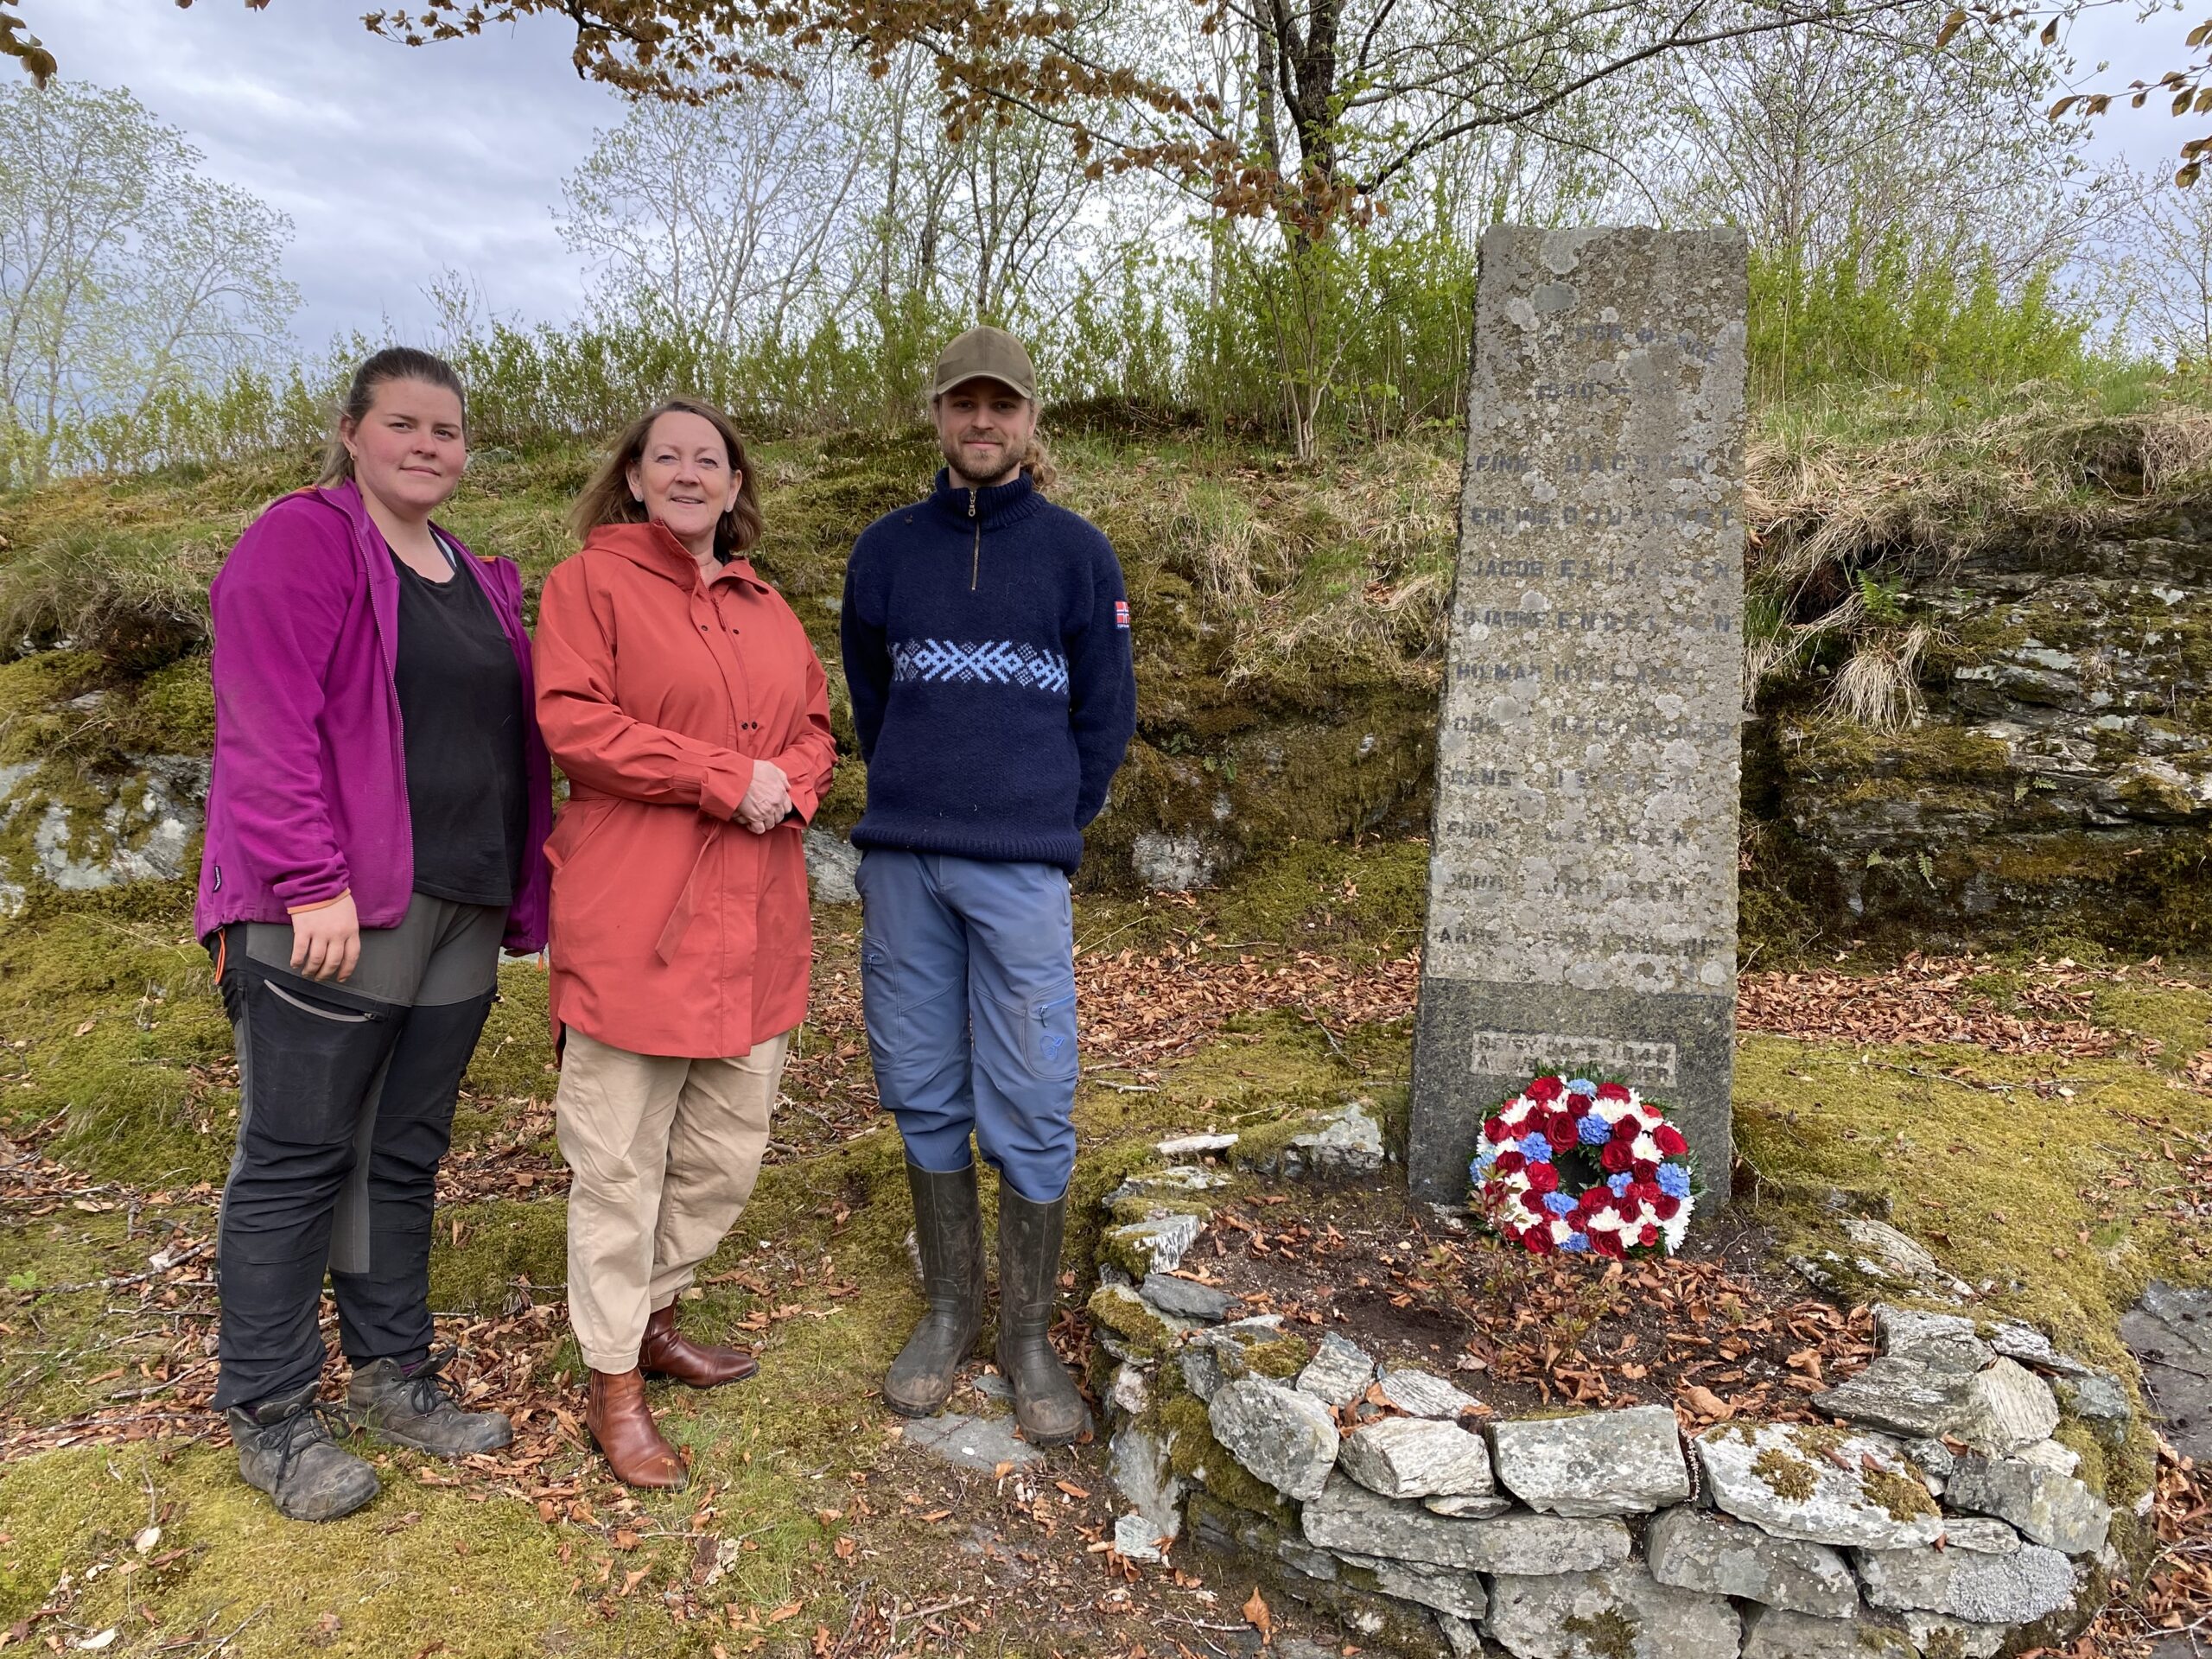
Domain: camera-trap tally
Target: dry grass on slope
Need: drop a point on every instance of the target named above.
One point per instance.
(1346, 564)
(1816, 498)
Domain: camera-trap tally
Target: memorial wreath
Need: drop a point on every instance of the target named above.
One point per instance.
(1571, 1164)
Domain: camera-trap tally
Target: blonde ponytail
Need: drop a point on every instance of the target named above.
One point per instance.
(1037, 461)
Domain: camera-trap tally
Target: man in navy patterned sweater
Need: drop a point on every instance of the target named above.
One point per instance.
(986, 636)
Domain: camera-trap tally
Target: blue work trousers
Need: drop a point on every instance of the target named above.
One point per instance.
(968, 978)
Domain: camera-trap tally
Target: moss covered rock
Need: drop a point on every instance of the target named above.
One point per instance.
(2059, 781)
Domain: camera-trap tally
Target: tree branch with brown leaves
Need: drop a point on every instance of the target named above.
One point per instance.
(17, 43)
(2190, 88)
(1368, 88)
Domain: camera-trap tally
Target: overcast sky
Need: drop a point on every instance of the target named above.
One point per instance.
(394, 163)
(398, 164)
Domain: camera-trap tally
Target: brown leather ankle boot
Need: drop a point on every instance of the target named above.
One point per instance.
(666, 1352)
(621, 1426)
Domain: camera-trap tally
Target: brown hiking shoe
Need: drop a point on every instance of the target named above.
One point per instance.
(621, 1426)
(667, 1352)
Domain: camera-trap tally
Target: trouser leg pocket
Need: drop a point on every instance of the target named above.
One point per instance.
(307, 1056)
(383, 1311)
(879, 1011)
(1048, 1035)
(1026, 1070)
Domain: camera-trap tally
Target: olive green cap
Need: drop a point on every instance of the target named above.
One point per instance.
(984, 354)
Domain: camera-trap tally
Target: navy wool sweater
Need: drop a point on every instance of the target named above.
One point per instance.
(986, 636)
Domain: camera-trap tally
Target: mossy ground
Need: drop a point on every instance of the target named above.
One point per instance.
(2174, 1023)
(2000, 1163)
(2041, 1169)
(2062, 1203)
(144, 1097)
(418, 1570)
(112, 1023)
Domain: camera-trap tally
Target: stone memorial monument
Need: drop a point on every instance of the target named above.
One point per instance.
(1582, 878)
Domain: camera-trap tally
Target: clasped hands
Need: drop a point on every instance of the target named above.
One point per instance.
(767, 800)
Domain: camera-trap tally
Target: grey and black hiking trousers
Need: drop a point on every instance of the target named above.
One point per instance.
(346, 1102)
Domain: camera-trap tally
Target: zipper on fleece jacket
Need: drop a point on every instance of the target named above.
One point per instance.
(975, 569)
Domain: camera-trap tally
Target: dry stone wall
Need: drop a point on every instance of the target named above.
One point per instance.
(1943, 1520)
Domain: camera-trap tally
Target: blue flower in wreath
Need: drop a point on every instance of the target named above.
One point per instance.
(1674, 1180)
(1559, 1204)
(1576, 1241)
(1619, 1184)
(1583, 1087)
(1535, 1148)
(1593, 1129)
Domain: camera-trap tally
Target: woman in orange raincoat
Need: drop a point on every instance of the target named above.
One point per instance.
(681, 698)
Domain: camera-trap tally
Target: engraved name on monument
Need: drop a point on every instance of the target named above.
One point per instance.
(1582, 880)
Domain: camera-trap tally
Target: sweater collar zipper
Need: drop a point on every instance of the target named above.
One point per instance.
(976, 568)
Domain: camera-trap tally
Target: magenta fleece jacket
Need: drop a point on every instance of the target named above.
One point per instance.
(309, 798)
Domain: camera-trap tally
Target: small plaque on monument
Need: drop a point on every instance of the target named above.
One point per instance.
(1582, 875)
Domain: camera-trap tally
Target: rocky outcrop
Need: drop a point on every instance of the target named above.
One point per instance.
(2061, 767)
(137, 822)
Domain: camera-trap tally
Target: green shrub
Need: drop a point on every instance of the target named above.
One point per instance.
(1883, 310)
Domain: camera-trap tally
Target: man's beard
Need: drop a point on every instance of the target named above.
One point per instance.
(951, 451)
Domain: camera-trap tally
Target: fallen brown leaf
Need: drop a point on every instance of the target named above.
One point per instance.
(1256, 1615)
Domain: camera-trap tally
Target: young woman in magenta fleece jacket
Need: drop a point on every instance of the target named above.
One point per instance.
(376, 818)
(986, 635)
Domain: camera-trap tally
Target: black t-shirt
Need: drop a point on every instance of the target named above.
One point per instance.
(460, 708)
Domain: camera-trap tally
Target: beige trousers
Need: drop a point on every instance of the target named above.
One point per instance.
(662, 1154)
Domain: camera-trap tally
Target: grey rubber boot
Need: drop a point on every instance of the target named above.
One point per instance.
(1045, 1402)
(415, 1406)
(948, 1226)
(286, 1448)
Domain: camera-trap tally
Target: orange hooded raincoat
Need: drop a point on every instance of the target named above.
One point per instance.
(676, 931)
